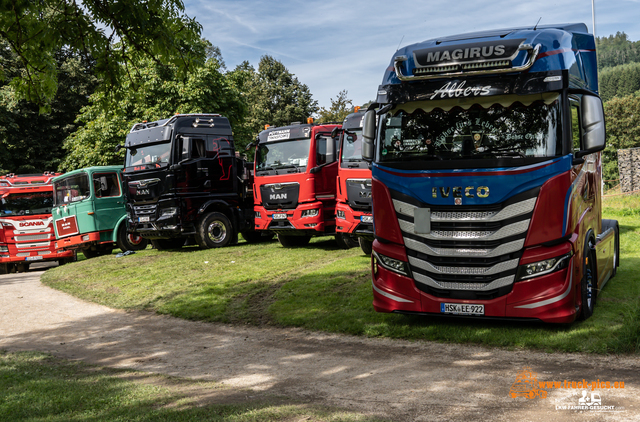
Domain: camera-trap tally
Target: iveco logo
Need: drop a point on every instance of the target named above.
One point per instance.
(278, 196)
(459, 191)
(31, 224)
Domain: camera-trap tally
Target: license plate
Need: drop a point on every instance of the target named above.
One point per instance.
(282, 216)
(143, 219)
(461, 309)
(366, 219)
(33, 258)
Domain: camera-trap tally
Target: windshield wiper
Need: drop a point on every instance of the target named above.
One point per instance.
(515, 154)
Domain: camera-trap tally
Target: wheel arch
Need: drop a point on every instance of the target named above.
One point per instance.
(114, 234)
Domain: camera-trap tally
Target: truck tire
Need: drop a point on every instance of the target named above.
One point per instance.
(366, 246)
(89, 253)
(214, 230)
(345, 241)
(257, 236)
(64, 261)
(589, 283)
(167, 244)
(130, 241)
(4, 268)
(22, 268)
(293, 241)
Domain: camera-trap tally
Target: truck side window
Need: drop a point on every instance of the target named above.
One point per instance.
(576, 126)
(106, 185)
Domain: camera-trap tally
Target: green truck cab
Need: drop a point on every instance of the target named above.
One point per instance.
(89, 212)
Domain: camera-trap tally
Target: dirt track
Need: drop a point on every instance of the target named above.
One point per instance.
(398, 380)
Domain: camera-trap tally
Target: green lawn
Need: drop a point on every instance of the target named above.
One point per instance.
(323, 288)
(38, 387)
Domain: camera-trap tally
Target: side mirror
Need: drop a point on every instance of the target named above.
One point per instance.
(368, 135)
(335, 131)
(331, 150)
(593, 138)
(249, 146)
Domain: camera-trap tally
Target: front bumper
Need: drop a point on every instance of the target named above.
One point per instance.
(355, 222)
(549, 298)
(293, 222)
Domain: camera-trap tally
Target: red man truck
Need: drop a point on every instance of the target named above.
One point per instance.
(295, 181)
(353, 210)
(27, 232)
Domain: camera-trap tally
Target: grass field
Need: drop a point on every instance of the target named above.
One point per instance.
(323, 288)
(38, 387)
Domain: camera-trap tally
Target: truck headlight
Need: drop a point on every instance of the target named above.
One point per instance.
(169, 212)
(4, 249)
(392, 264)
(257, 214)
(309, 213)
(340, 214)
(547, 266)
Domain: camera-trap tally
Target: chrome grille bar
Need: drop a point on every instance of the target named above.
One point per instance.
(503, 249)
(496, 269)
(480, 287)
(510, 211)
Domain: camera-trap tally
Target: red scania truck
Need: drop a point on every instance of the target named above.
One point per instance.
(27, 233)
(353, 208)
(295, 181)
(487, 177)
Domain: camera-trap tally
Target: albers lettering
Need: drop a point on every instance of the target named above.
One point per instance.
(457, 191)
(456, 90)
(278, 196)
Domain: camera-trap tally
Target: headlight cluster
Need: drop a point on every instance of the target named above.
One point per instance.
(392, 264)
(547, 266)
(310, 213)
(257, 214)
(340, 214)
(4, 249)
(169, 212)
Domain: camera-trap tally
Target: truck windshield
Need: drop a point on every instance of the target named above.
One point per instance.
(286, 154)
(352, 146)
(72, 188)
(502, 127)
(145, 156)
(30, 203)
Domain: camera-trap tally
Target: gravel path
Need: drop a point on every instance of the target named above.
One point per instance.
(399, 380)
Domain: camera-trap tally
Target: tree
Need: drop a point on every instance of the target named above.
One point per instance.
(31, 142)
(340, 108)
(273, 96)
(154, 92)
(619, 81)
(616, 50)
(623, 131)
(107, 32)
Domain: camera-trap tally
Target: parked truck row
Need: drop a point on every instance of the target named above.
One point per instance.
(474, 181)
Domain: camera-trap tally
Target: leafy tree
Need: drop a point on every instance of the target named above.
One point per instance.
(616, 50)
(619, 81)
(273, 96)
(154, 92)
(623, 131)
(36, 30)
(340, 108)
(31, 142)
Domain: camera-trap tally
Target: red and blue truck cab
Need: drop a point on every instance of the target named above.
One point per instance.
(353, 208)
(487, 177)
(295, 181)
(26, 233)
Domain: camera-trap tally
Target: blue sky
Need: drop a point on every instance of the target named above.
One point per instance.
(334, 45)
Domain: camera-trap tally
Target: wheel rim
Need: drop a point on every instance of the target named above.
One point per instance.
(217, 231)
(133, 239)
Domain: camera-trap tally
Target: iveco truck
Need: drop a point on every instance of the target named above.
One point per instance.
(184, 182)
(295, 182)
(487, 178)
(353, 208)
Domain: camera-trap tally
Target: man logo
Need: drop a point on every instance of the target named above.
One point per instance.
(278, 196)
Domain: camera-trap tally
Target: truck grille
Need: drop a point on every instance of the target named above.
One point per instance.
(280, 195)
(31, 237)
(471, 252)
(359, 194)
(145, 210)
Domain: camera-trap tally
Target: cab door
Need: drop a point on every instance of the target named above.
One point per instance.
(109, 202)
(74, 206)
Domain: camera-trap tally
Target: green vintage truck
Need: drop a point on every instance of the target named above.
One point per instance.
(89, 212)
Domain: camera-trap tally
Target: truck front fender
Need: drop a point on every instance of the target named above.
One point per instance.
(122, 220)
